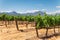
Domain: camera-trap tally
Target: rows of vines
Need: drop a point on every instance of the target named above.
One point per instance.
(45, 21)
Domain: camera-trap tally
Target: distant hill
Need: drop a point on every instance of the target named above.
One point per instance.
(35, 13)
(10, 13)
(15, 13)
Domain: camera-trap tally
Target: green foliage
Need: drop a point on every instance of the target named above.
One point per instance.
(41, 21)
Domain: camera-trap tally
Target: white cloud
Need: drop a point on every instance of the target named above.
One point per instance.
(57, 11)
(5, 11)
(57, 6)
(44, 10)
(28, 11)
(32, 11)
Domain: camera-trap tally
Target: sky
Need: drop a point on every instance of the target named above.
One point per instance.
(30, 5)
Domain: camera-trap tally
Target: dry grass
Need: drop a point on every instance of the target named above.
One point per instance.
(11, 33)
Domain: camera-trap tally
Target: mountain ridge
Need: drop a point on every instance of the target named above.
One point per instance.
(15, 13)
(31, 13)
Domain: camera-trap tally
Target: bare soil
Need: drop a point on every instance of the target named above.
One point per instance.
(10, 33)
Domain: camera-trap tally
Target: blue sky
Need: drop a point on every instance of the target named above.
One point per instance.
(30, 5)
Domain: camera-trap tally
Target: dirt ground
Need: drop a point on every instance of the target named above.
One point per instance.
(11, 33)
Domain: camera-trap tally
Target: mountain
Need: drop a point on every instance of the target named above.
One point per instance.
(10, 13)
(30, 13)
(35, 13)
(15, 13)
